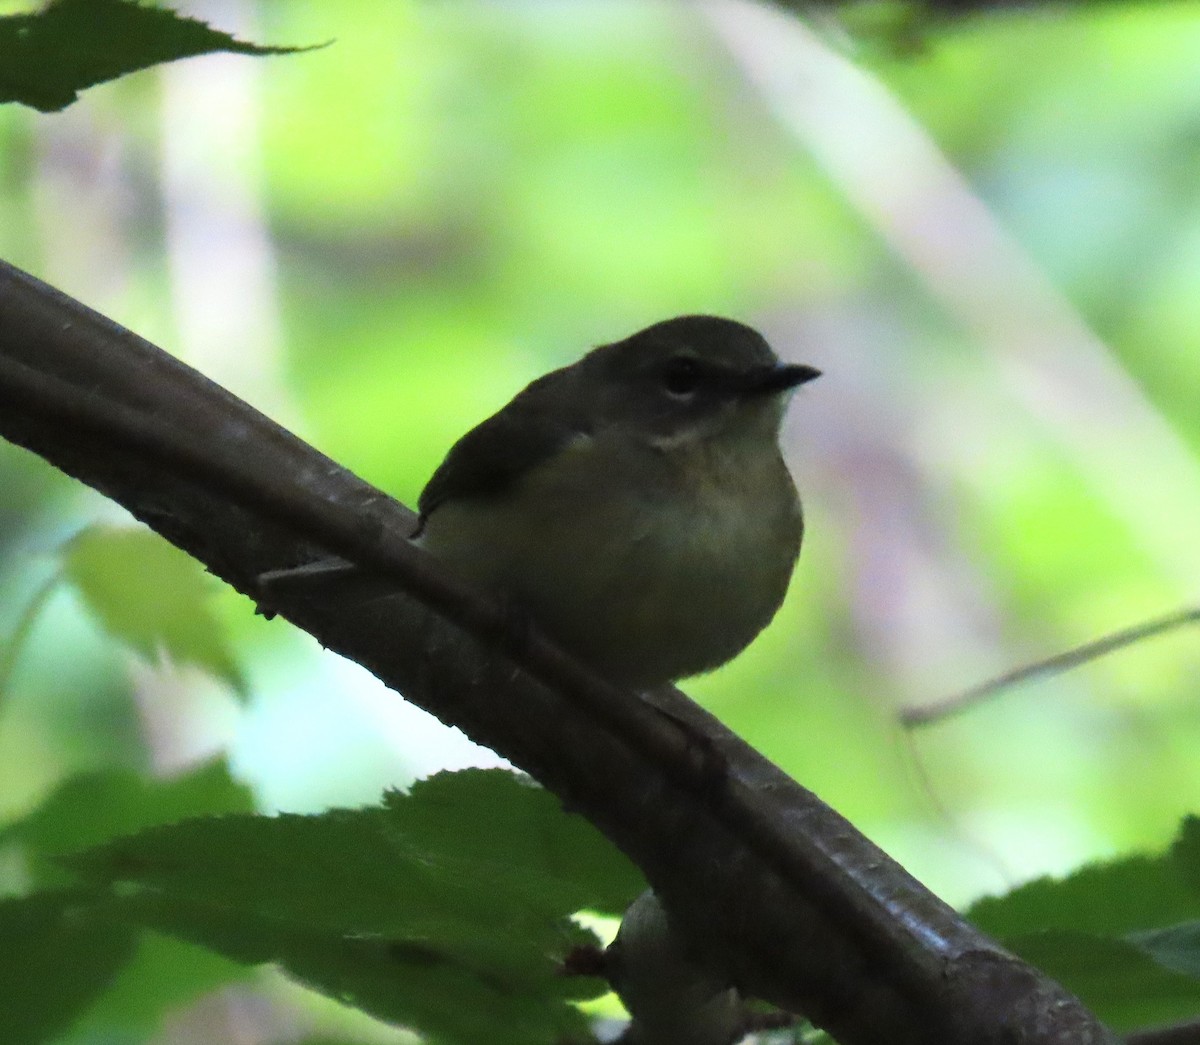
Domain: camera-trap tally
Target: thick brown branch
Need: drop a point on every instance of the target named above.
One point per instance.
(770, 885)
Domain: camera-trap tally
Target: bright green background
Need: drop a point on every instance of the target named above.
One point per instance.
(989, 241)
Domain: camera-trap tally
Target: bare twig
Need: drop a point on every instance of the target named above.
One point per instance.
(912, 717)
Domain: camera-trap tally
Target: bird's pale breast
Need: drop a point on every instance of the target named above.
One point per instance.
(648, 564)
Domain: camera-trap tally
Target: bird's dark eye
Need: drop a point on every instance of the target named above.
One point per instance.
(681, 376)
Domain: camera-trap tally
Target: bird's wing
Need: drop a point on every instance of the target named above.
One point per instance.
(493, 455)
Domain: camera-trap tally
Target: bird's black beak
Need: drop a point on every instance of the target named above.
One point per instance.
(779, 378)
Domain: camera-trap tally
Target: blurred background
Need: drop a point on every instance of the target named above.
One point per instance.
(987, 235)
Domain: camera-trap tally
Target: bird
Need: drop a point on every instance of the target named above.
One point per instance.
(635, 505)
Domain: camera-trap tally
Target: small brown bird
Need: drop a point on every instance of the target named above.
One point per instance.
(635, 504)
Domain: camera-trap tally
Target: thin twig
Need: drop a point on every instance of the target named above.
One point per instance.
(912, 717)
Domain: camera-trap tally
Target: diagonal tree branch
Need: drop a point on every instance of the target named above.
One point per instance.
(772, 887)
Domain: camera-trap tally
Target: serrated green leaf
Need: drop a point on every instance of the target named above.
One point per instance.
(46, 58)
(151, 596)
(440, 908)
(1130, 894)
(1122, 935)
(475, 847)
(1110, 899)
(412, 983)
(518, 833)
(58, 954)
(1114, 978)
(92, 808)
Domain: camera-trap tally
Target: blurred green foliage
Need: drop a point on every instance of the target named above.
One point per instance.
(149, 596)
(989, 243)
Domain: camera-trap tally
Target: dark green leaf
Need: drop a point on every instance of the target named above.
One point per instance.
(441, 909)
(476, 846)
(1122, 896)
(1105, 899)
(1176, 948)
(1114, 978)
(149, 973)
(92, 808)
(518, 834)
(162, 974)
(1112, 932)
(150, 595)
(1185, 853)
(46, 58)
(57, 955)
(427, 984)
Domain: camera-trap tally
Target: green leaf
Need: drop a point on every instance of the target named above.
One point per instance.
(1137, 892)
(135, 976)
(426, 984)
(58, 955)
(1124, 935)
(46, 58)
(162, 974)
(1176, 948)
(92, 808)
(478, 845)
(150, 595)
(1116, 979)
(1111, 899)
(1185, 852)
(445, 909)
(519, 834)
